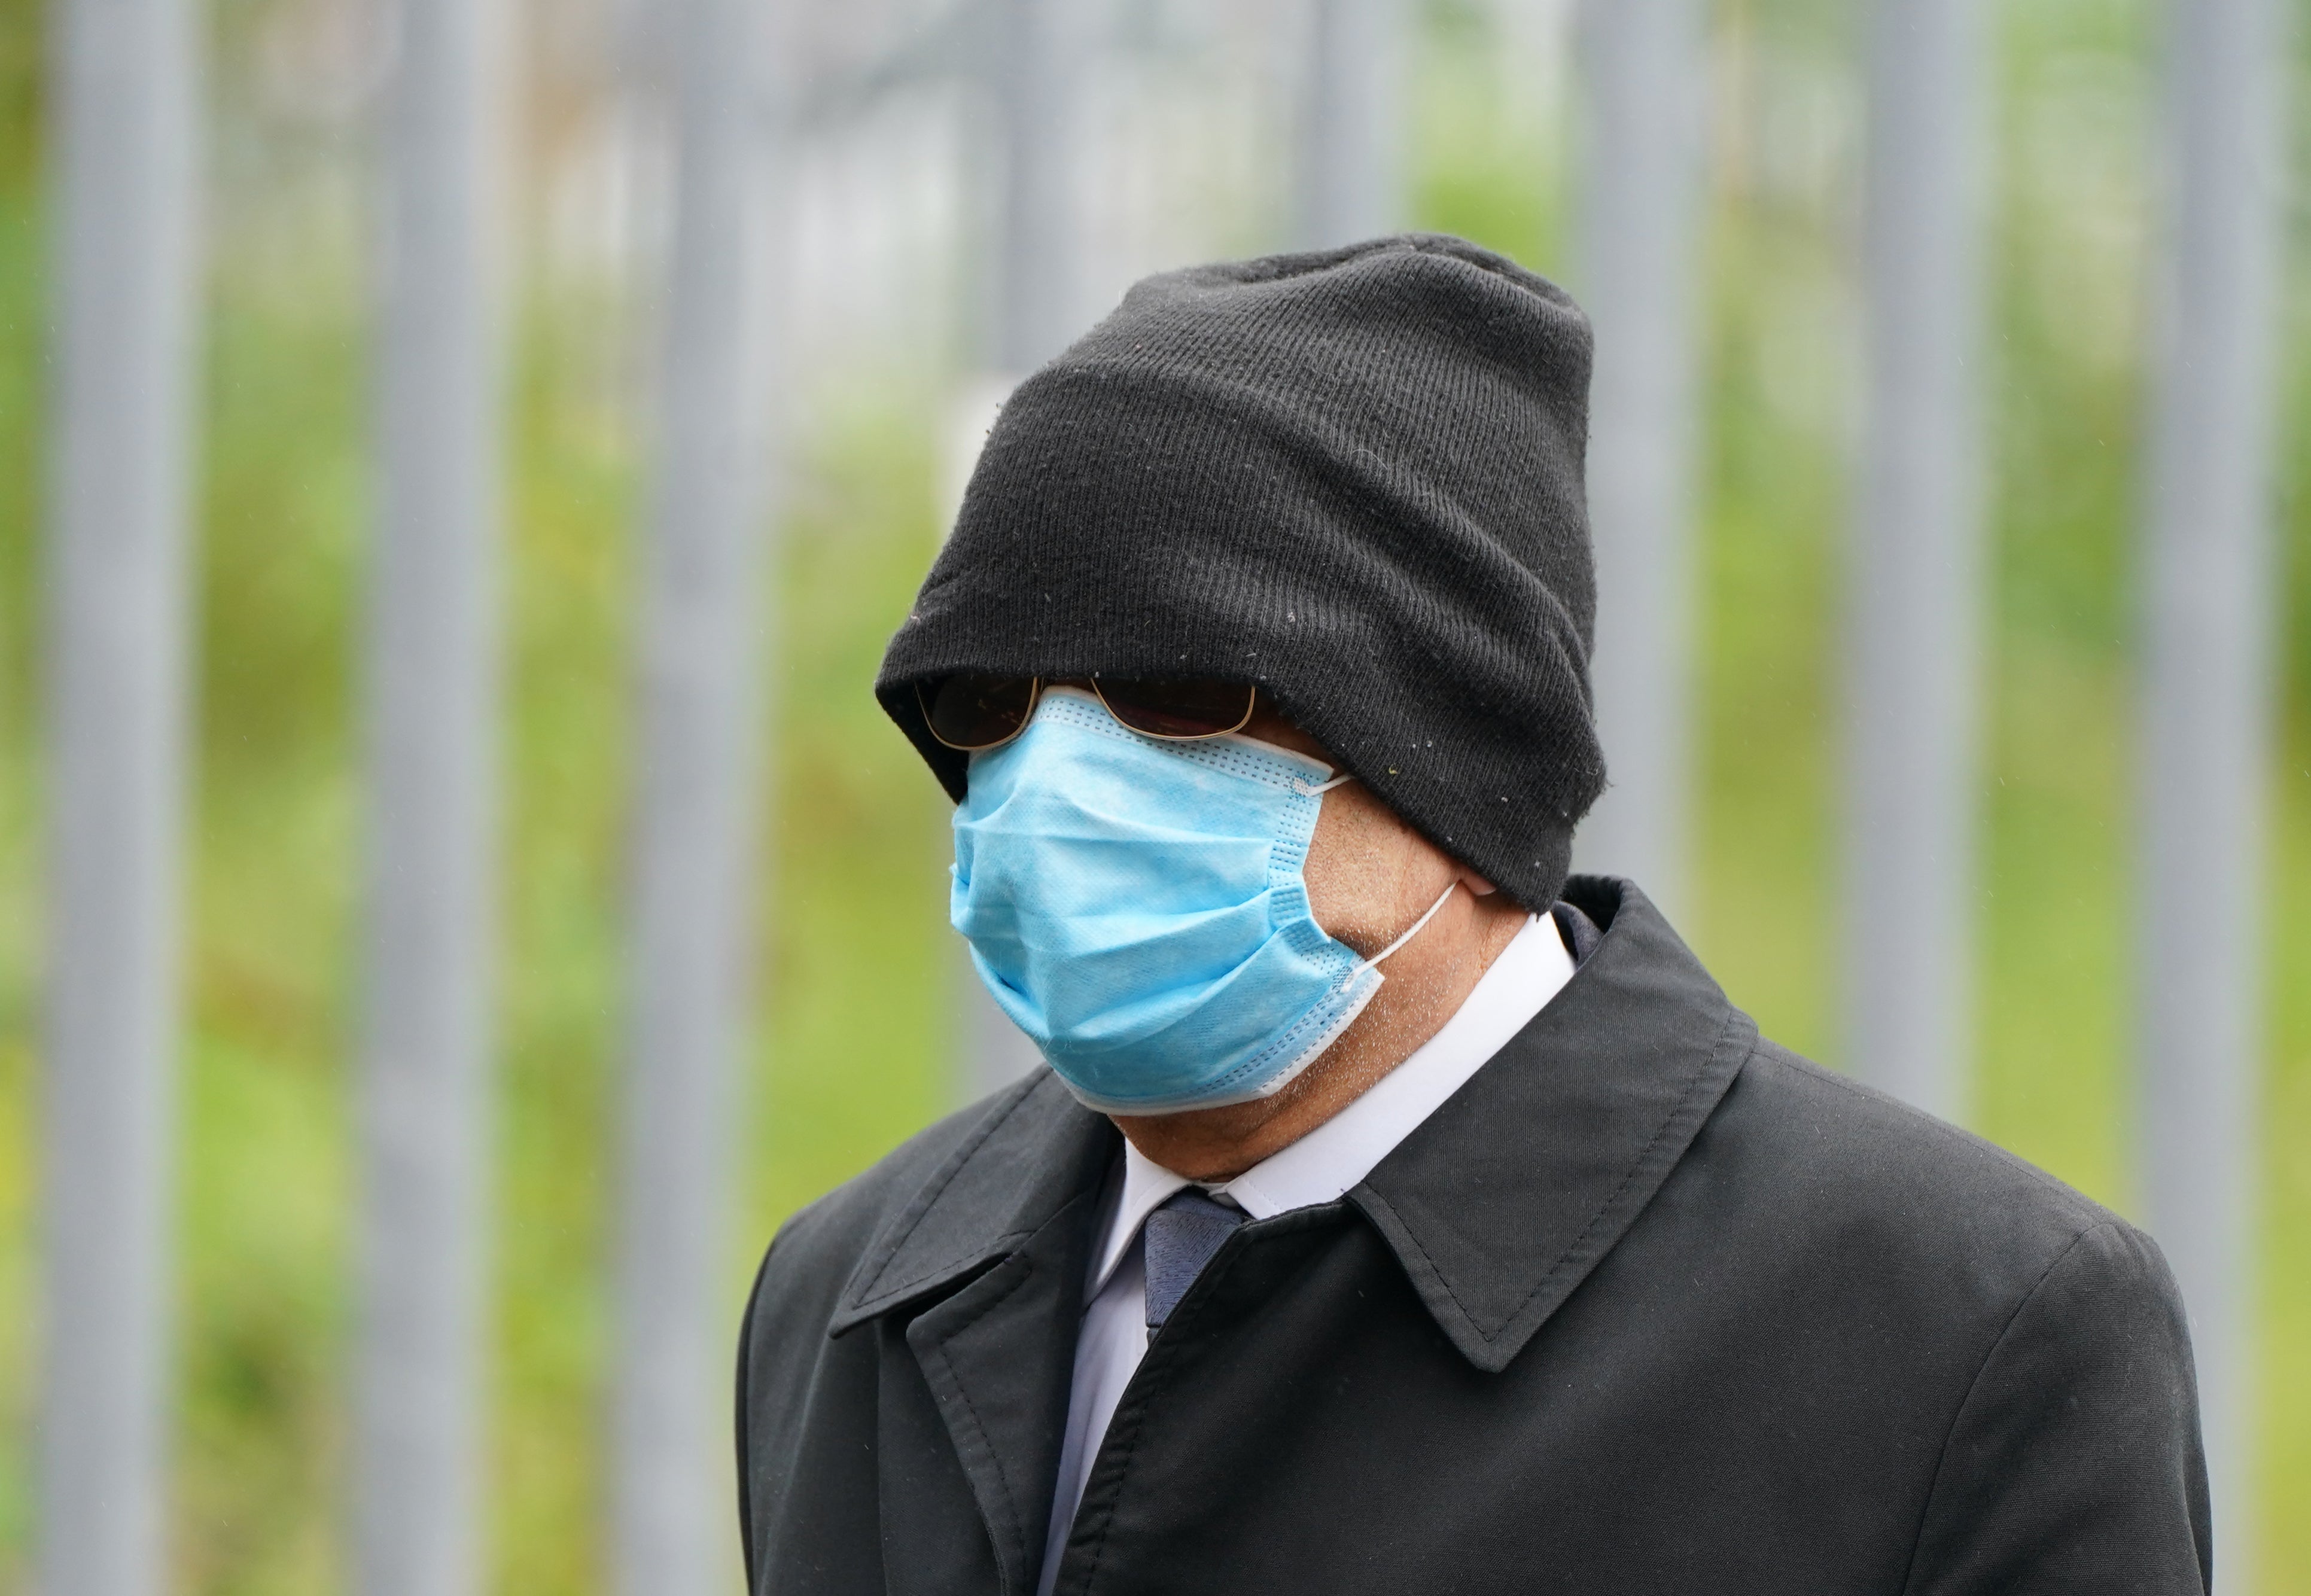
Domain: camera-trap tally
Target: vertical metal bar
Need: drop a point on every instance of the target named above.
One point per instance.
(1645, 90)
(1038, 251)
(2208, 700)
(991, 1053)
(1915, 587)
(1350, 166)
(126, 131)
(1032, 299)
(995, 1051)
(425, 1089)
(699, 811)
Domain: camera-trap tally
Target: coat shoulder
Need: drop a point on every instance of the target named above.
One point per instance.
(816, 1251)
(1896, 1183)
(2042, 1334)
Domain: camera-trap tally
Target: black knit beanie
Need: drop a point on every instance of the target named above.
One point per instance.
(1351, 477)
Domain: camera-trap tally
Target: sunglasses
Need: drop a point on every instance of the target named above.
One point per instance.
(972, 713)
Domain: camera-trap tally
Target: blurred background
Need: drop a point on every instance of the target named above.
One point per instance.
(462, 951)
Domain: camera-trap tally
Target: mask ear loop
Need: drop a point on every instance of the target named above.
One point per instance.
(1314, 788)
(1410, 931)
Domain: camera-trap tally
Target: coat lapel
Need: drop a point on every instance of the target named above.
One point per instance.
(1500, 1203)
(997, 1356)
(989, 1261)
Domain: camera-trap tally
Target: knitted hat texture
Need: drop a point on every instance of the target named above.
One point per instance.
(1351, 477)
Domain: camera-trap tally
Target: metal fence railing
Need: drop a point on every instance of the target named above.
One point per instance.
(746, 94)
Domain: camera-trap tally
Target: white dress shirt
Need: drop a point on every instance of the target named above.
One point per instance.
(1318, 1168)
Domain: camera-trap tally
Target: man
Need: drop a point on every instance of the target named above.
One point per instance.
(1459, 1234)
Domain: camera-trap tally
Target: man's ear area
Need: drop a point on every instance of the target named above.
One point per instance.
(1270, 724)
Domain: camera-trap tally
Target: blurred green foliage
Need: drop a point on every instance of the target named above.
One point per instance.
(21, 291)
(856, 968)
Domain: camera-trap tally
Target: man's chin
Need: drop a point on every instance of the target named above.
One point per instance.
(1218, 1144)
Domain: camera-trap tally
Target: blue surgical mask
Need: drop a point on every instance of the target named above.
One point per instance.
(1137, 907)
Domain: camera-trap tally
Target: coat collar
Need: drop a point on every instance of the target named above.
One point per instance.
(1034, 1150)
(1497, 1207)
(1500, 1202)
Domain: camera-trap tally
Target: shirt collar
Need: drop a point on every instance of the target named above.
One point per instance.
(1322, 1166)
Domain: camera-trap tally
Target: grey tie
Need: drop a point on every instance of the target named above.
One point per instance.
(1181, 1238)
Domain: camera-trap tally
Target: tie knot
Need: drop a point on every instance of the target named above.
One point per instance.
(1179, 1239)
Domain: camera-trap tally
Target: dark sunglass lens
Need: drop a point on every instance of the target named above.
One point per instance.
(975, 711)
(1176, 706)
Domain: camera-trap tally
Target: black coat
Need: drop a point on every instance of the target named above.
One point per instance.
(1650, 1305)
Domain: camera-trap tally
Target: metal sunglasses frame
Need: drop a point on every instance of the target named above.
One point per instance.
(1035, 697)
